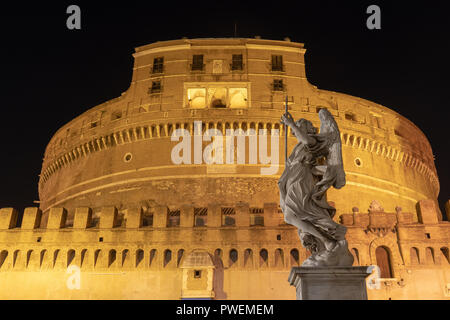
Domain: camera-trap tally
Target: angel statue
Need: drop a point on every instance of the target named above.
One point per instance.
(314, 165)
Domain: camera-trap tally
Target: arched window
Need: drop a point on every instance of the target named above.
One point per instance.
(263, 258)
(42, 256)
(167, 257)
(139, 256)
(3, 256)
(430, 255)
(96, 256)
(233, 257)
(295, 257)
(55, 256)
(248, 258)
(153, 255)
(355, 254)
(83, 257)
(70, 256)
(180, 256)
(125, 255)
(29, 254)
(111, 257)
(279, 258)
(445, 254)
(384, 262)
(414, 256)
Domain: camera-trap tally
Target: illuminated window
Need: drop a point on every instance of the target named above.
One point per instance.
(277, 63)
(213, 96)
(217, 97)
(158, 65)
(197, 62)
(238, 97)
(197, 97)
(236, 63)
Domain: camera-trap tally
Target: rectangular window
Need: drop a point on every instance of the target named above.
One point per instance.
(228, 216)
(147, 220)
(200, 216)
(256, 216)
(278, 85)
(173, 218)
(236, 63)
(156, 87)
(158, 65)
(350, 116)
(196, 97)
(197, 62)
(277, 63)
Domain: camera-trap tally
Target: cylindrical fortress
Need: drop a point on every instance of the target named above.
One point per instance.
(119, 153)
(139, 195)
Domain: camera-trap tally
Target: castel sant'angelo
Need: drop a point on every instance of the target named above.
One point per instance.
(116, 210)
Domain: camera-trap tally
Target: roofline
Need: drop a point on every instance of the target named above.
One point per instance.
(249, 43)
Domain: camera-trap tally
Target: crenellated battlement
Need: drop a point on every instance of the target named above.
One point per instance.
(115, 240)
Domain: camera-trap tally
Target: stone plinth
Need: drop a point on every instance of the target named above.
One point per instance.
(330, 283)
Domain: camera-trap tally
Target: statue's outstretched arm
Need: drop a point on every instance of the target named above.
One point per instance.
(301, 135)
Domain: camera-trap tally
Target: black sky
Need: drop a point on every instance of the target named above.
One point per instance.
(51, 74)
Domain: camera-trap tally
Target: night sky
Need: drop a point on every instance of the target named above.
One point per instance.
(50, 74)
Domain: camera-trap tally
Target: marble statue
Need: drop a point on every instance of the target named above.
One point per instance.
(315, 165)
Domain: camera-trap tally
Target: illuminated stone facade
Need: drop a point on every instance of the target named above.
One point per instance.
(143, 227)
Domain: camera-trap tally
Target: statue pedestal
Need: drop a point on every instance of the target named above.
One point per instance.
(330, 283)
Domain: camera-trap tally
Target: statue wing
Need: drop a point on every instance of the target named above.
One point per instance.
(335, 173)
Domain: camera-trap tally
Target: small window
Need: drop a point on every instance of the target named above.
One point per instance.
(427, 235)
(295, 257)
(116, 115)
(233, 256)
(158, 65)
(200, 216)
(350, 116)
(156, 87)
(277, 63)
(197, 273)
(257, 217)
(278, 85)
(167, 257)
(100, 239)
(278, 237)
(236, 63)
(94, 124)
(39, 239)
(147, 220)
(127, 157)
(173, 219)
(197, 62)
(228, 216)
